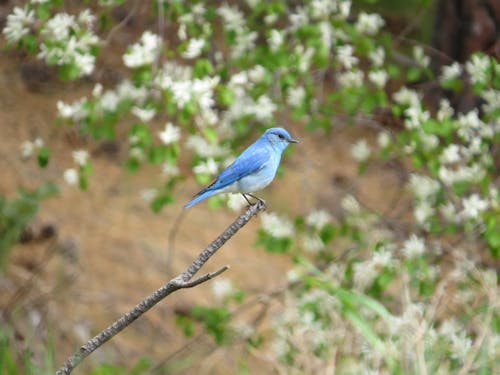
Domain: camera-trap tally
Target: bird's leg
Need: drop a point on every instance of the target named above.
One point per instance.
(257, 198)
(244, 196)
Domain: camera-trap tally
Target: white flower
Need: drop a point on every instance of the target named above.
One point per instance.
(345, 57)
(148, 195)
(59, 27)
(233, 18)
(351, 78)
(97, 90)
(276, 226)
(304, 56)
(350, 204)
(318, 219)
(86, 18)
(85, 63)
(194, 48)
(203, 148)
(169, 169)
(429, 141)
(27, 148)
(137, 153)
(360, 151)
(449, 72)
(492, 99)
(449, 212)
(473, 206)
(405, 96)
(369, 24)
(71, 176)
(270, 18)
(445, 111)
(222, 288)
(472, 173)
(170, 134)
(293, 275)
(143, 53)
(423, 211)
(18, 24)
(420, 57)
(275, 39)
(477, 67)
(460, 345)
(413, 247)
(366, 272)
(208, 167)
(383, 139)
(244, 43)
(295, 96)
(110, 101)
(73, 111)
(80, 157)
(327, 37)
(312, 243)
(415, 117)
(450, 154)
(344, 9)
(322, 8)
(423, 186)
(378, 77)
(236, 202)
(299, 18)
(377, 57)
(144, 114)
(264, 108)
(257, 73)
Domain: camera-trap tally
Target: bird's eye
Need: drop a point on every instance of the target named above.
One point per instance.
(281, 136)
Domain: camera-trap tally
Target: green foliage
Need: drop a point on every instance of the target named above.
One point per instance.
(273, 244)
(216, 321)
(15, 214)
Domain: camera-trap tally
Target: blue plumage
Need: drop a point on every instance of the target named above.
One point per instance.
(253, 170)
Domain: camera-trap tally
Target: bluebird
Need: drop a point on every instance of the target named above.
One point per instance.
(253, 170)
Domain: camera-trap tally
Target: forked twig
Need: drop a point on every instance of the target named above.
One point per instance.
(181, 281)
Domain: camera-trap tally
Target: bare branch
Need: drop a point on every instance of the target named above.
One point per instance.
(206, 277)
(181, 281)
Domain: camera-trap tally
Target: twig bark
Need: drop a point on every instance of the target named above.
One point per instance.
(181, 281)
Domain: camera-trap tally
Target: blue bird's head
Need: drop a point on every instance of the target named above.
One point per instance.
(279, 138)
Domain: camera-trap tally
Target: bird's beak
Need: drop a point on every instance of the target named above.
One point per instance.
(293, 140)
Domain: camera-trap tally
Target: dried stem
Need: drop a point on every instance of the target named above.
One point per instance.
(181, 281)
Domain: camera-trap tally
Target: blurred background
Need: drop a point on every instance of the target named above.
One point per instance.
(89, 207)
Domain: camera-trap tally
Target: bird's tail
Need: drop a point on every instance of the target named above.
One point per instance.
(203, 195)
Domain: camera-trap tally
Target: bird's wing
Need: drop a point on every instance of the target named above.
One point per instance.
(251, 160)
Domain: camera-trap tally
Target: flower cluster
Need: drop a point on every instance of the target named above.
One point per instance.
(65, 40)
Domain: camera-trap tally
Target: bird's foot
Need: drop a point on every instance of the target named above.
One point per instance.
(258, 200)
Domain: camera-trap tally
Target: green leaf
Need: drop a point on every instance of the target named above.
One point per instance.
(226, 96)
(202, 68)
(364, 328)
(16, 214)
(43, 157)
(69, 72)
(30, 43)
(43, 11)
(273, 244)
(216, 320)
(186, 324)
(163, 198)
(327, 233)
